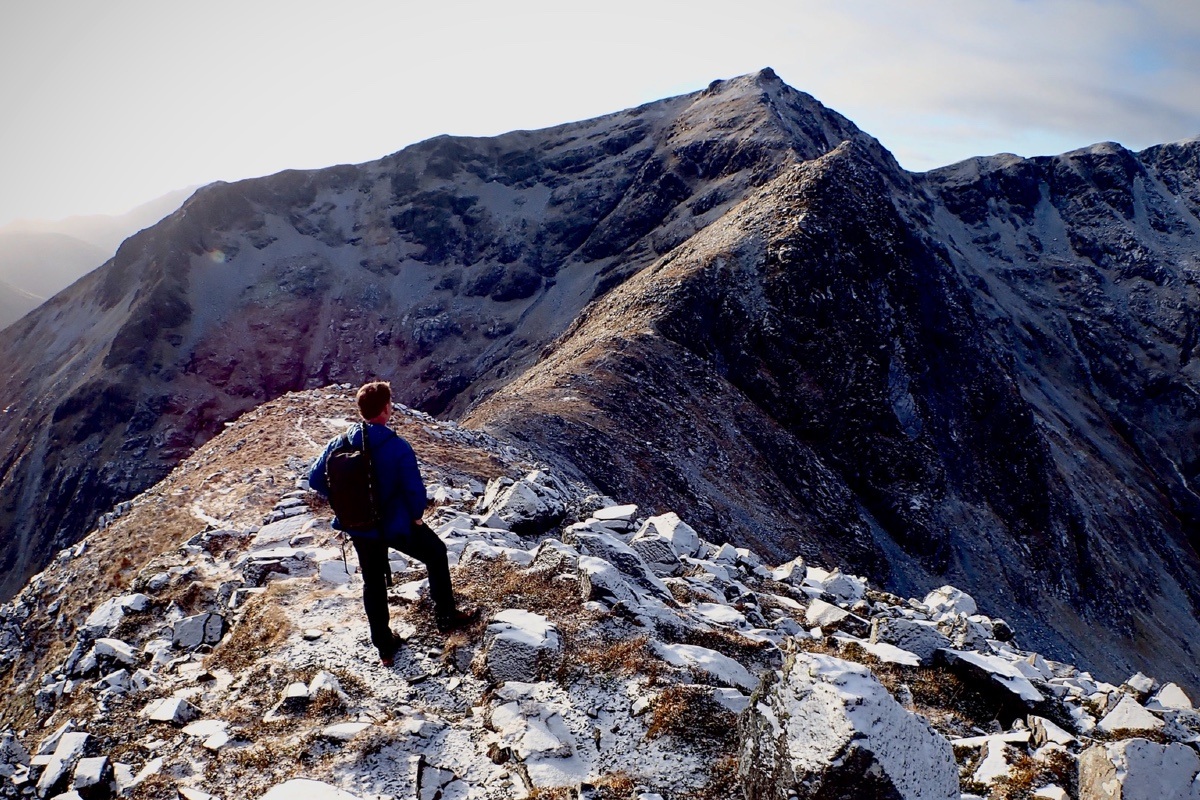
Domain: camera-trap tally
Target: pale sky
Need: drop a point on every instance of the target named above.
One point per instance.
(109, 104)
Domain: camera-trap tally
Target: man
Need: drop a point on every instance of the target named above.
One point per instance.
(400, 493)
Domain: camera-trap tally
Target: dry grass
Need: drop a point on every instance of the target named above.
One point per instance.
(614, 786)
(1028, 774)
(560, 793)
(726, 642)
(723, 781)
(262, 627)
(1121, 734)
(691, 713)
(622, 657)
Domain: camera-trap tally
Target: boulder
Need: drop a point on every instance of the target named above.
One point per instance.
(683, 537)
(1009, 691)
(191, 632)
(175, 710)
(845, 588)
(915, 636)
(659, 555)
(625, 559)
(1170, 698)
(115, 650)
(526, 508)
(949, 600)
(1129, 715)
(826, 728)
(91, 772)
(521, 646)
(1138, 769)
(554, 556)
(791, 572)
(707, 665)
(12, 754)
(109, 614)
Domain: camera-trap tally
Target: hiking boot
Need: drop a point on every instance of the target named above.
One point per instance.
(388, 657)
(456, 620)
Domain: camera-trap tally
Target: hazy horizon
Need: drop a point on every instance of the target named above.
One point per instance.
(111, 106)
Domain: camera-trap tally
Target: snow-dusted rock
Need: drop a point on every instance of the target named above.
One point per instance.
(12, 753)
(344, 731)
(916, 636)
(526, 508)
(824, 615)
(175, 710)
(1140, 685)
(521, 646)
(538, 735)
(305, 789)
(1046, 732)
(1052, 792)
(601, 581)
(109, 614)
(707, 665)
(845, 588)
(1170, 698)
(334, 571)
(683, 537)
(658, 553)
(115, 650)
(625, 559)
(825, 727)
(791, 572)
(91, 772)
(949, 600)
(621, 513)
(984, 669)
(1137, 769)
(191, 632)
(1128, 714)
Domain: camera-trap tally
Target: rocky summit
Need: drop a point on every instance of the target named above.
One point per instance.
(209, 642)
(733, 306)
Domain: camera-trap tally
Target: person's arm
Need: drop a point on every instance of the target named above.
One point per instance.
(412, 488)
(316, 475)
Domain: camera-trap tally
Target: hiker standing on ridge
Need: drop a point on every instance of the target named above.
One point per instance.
(398, 495)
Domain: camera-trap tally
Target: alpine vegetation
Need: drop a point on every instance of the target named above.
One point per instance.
(619, 654)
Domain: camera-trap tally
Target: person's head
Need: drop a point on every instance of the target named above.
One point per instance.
(374, 399)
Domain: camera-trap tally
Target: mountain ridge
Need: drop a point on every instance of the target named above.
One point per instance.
(904, 372)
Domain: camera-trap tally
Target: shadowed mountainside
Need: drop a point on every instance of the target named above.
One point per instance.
(733, 304)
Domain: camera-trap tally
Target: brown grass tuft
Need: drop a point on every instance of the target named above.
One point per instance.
(691, 713)
(723, 781)
(622, 657)
(262, 628)
(1028, 774)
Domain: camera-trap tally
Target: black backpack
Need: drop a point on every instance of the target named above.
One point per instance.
(351, 479)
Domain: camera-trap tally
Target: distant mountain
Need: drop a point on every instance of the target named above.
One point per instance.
(14, 303)
(733, 304)
(41, 258)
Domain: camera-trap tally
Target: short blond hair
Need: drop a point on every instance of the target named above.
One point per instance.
(373, 398)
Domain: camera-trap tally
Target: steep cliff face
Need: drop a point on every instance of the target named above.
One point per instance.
(445, 268)
(856, 364)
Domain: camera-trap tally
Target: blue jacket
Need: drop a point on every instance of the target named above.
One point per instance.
(401, 490)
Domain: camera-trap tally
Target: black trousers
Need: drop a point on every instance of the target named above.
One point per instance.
(423, 545)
